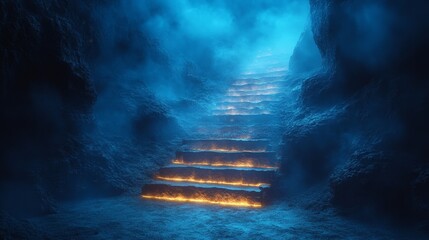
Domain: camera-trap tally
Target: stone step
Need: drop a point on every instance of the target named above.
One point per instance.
(237, 131)
(241, 112)
(241, 93)
(258, 81)
(259, 66)
(257, 145)
(259, 119)
(251, 98)
(264, 67)
(233, 135)
(233, 106)
(204, 194)
(256, 87)
(232, 159)
(254, 177)
(272, 73)
(246, 105)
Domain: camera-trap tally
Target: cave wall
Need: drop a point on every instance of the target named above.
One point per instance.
(76, 123)
(47, 94)
(360, 121)
(306, 56)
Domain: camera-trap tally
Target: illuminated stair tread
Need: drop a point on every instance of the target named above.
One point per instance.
(217, 187)
(241, 112)
(250, 85)
(234, 197)
(223, 167)
(234, 128)
(260, 80)
(252, 159)
(261, 105)
(265, 74)
(243, 120)
(267, 92)
(221, 176)
(229, 107)
(255, 87)
(252, 98)
(227, 145)
(250, 131)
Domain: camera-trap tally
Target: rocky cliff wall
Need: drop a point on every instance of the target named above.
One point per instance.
(361, 120)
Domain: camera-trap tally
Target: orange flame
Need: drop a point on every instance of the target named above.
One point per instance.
(194, 180)
(225, 201)
(242, 164)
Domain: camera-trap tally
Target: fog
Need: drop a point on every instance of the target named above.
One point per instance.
(166, 43)
(181, 54)
(97, 96)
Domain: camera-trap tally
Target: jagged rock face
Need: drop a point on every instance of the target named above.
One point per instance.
(371, 181)
(54, 145)
(47, 92)
(43, 54)
(306, 55)
(371, 37)
(363, 117)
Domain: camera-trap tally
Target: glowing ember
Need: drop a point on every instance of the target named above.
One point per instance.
(209, 181)
(242, 164)
(220, 200)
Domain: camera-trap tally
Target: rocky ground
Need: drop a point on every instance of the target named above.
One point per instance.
(131, 217)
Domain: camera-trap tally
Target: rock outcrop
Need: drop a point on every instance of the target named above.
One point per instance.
(361, 120)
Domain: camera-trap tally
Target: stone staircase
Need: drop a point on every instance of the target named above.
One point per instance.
(231, 161)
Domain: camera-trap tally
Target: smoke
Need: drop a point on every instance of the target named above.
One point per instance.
(177, 55)
(163, 42)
